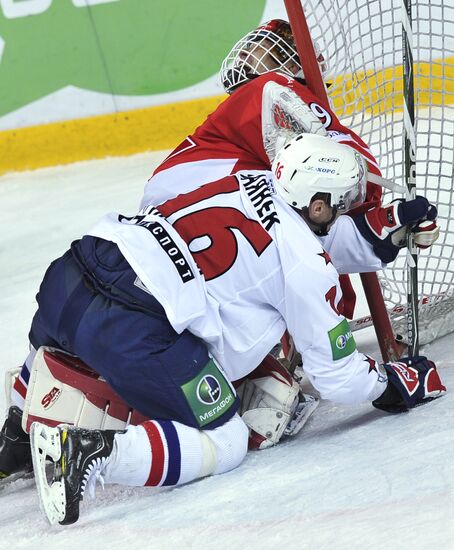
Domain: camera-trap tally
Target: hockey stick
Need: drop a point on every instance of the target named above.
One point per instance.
(410, 176)
(389, 349)
(387, 184)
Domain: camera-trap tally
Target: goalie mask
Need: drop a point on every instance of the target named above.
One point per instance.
(270, 47)
(311, 164)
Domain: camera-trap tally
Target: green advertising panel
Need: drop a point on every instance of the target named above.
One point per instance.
(128, 47)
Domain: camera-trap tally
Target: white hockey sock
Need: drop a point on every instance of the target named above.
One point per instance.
(231, 442)
(156, 453)
(160, 453)
(20, 385)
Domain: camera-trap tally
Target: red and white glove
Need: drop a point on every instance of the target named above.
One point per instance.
(411, 382)
(386, 227)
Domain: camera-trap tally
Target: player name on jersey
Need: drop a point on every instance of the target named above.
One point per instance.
(258, 187)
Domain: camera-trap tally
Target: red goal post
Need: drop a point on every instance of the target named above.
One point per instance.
(389, 348)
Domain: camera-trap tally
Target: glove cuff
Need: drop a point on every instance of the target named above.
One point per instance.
(385, 250)
(383, 221)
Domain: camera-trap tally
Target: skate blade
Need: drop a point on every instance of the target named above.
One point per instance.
(301, 416)
(45, 442)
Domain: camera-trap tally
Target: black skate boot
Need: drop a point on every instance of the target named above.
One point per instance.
(80, 457)
(15, 455)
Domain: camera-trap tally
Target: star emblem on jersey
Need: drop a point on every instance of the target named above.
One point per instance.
(326, 257)
(372, 364)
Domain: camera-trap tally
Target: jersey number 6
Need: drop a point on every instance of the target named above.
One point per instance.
(210, 232)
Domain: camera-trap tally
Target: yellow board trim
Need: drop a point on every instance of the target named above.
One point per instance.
(378, 92)
(151, 129)
(164, 126)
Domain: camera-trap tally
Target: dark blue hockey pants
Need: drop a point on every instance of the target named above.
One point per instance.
(91, 305)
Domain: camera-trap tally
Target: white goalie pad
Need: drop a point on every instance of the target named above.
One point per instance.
(273, 405)
(63, 390)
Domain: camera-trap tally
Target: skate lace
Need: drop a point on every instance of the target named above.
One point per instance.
(94, 473)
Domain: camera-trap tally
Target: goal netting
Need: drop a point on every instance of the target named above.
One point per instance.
(362, 43)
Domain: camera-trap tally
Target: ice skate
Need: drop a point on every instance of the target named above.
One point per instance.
(80, 457)
(15, 456)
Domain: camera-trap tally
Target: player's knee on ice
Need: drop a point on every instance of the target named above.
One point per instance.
(230, 442)
(170, 453)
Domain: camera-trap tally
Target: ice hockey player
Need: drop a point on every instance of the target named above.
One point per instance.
(172, 305)
(269, 104)
(263, 75)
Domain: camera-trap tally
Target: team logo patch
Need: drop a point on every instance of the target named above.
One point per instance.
(208, 394)
(208, 390)
(341, 340)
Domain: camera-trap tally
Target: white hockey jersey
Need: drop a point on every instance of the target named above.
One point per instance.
(235, 265)
(244, 133)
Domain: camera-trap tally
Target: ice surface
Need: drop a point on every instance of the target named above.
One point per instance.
(354, 478)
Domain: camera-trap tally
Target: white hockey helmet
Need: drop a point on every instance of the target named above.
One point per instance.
(310, 164)
(270, 47)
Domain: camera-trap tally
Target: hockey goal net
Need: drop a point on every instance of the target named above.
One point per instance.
(362, 43)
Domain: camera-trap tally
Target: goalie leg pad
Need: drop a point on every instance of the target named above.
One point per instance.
(272, 404)
(63, 390)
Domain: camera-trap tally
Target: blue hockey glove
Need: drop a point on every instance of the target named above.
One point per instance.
(411, 382)
(386, 227)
